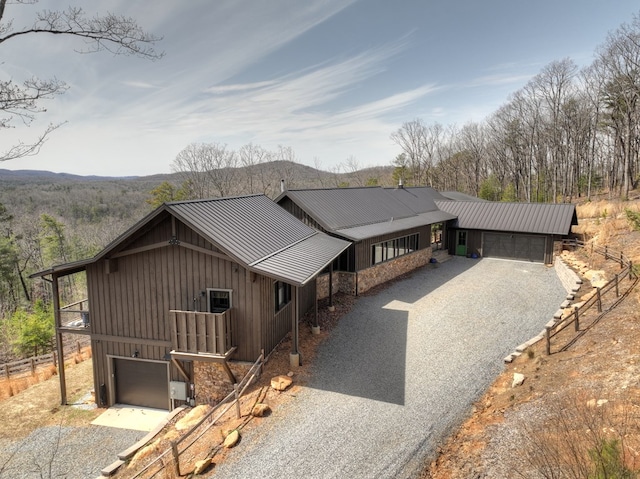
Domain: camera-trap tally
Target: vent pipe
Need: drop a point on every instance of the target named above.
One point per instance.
(400, 185)
(282, 188)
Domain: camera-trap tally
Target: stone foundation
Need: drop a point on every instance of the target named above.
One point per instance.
(383, 272)
(212, 382)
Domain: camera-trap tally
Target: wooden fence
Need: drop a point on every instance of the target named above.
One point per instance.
(24, 367)
(611, 288)
(189, 438)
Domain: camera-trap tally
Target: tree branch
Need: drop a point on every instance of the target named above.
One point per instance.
(116, 34)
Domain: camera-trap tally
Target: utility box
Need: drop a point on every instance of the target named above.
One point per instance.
(178, 390)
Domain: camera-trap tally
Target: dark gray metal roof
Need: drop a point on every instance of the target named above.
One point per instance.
(252, 230)
(419, 199)
(539, 218)
(338, 208)
(247, 227)
(358, 233)
(302, 261)
(359, 213)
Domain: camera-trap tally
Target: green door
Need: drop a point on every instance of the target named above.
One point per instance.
(461, 243)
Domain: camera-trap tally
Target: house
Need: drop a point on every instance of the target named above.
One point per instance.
(180, 303)
(391, 231)
(520, 231)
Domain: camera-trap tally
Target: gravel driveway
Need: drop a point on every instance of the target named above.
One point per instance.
(400, 371)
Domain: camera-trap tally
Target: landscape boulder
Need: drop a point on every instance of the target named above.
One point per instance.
(231, 440)
(518, 379)
(202, 466)
(280, 383)
(260, 410)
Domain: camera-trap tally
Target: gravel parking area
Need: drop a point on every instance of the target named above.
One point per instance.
(64, 452)
(400, 371)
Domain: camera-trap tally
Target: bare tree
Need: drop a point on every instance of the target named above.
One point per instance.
(20, 101)
(209, 169)
(253, 157)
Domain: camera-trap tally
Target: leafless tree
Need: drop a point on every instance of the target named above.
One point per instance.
(20, 100)
(252, 158)
(209, 169)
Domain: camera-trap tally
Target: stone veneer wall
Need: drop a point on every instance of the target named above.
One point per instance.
(322, 285)
(212, 382)
(383, 272)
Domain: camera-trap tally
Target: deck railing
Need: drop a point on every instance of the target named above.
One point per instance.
(75, 315)
(197, 333)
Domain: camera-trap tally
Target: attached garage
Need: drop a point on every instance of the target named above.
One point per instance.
(514, 246)
(141, 383)
(519, 231)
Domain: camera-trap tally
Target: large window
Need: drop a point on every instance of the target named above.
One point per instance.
(390, 249)
(219, 300)
(282, 294)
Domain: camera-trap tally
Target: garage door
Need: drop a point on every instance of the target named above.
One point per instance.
(141, 383)
(513, 246)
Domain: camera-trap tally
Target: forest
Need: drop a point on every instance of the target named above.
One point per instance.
(569, 134)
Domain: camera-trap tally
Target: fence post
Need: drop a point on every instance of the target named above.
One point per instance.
(55, 359)
(599, 300)
(621, 260)
(78, 346)
(6, 370)
(176, 457)
(33, 366)
(617, 288)
(237, 394)
(548, 336)
(606, 251)
(577, 322)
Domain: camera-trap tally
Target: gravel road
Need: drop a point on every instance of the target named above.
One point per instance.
(400, 371)
(64, 452)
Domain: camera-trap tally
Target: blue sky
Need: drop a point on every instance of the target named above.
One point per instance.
(329, 78)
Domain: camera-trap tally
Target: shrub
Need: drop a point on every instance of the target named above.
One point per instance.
(634, 218)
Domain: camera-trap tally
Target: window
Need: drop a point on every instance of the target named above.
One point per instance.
(219, 300)
(282, 294)
(390, 249)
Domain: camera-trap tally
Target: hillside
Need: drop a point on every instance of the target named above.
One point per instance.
(581, 401)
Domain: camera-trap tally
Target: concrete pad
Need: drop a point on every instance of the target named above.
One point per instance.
(131, 417)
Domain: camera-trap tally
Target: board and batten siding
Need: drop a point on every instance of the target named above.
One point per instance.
(132, 296)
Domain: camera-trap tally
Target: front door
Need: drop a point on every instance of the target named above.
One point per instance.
(461, 243)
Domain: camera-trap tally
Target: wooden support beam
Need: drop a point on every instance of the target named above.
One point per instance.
(59, 344)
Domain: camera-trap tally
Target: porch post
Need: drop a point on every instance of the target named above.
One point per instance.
(59, 346)
(315, 329)
(294, 357)
(331, 307)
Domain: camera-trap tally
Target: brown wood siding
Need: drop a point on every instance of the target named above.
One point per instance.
(280, 322)
(133, 303)
(363, 248)
(308, 297)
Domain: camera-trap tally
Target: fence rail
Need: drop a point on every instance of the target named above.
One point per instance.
(614, 285)
(206, 422)
(23, 367)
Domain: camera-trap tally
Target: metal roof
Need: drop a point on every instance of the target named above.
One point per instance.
(248, 228)
(302, 261)
(252, 230)
(358, 233)
(539, 218)
(359, 213)
(420, 199)
(338, 208)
